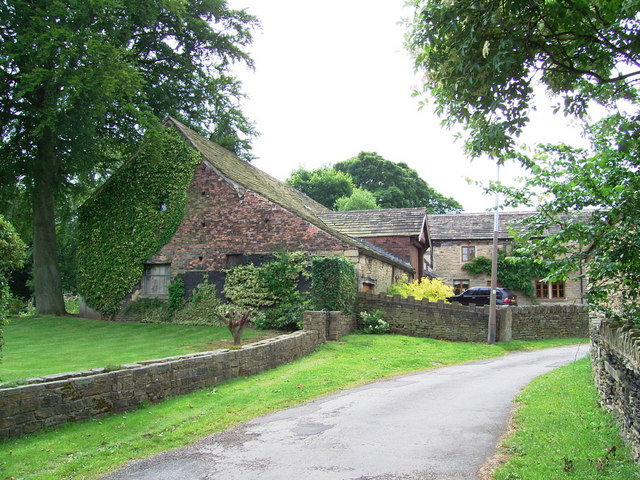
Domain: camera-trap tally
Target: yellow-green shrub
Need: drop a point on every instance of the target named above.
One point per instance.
(430, 289)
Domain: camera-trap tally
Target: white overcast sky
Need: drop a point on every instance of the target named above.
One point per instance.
(332, 78)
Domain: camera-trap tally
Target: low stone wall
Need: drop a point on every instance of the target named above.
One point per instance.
(615, 355)
(456, 322)
(538, 322)
(56, 399)
(329, 325)
(420, 318)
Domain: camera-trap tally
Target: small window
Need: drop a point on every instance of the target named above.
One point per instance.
(550, 290)
(156, 280)
(368, 284)
(460, 286)
(368, 287)
(557, 290)
(234, 259)
(468, 253)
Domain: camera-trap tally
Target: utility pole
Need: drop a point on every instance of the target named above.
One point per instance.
(491, 337)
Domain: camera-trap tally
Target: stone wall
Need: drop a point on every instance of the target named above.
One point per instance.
(56, 399)
(420, 318)
(549, 321)
(328, 325)
(469, 323)
(615, 355)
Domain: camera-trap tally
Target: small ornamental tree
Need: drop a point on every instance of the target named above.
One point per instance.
(236, 320)
(333, 284)
(12, 256)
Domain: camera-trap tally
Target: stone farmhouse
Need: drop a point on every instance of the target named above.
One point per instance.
(236, 214)
(459, 238)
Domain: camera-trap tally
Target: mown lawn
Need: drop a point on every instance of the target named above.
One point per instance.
(86, 450)
(43, 345)
(562, 433)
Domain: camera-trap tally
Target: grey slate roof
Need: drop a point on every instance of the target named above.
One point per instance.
(479, 226)
(244, 175)
(472, 226)
(377, 223)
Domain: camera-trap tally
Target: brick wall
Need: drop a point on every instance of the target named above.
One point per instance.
(56, 399)
(615, 355)
(454, 322)
(223, 219)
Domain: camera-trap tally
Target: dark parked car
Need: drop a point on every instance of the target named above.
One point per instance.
(481, 295)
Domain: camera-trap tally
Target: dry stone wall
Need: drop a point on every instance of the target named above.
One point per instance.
(615, 355)
(455, 322)
(56, 399)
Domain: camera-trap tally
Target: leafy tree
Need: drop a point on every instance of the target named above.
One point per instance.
(324, 185)
(360, 199)
(395, 185)
(80, 82)
(481, 60)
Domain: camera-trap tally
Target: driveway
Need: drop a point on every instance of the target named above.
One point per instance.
(437, 424)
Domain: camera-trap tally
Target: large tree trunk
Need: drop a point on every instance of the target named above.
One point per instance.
(46, 274)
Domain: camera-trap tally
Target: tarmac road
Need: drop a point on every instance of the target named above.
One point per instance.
(437, 424)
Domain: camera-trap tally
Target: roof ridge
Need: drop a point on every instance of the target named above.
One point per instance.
(252, 178)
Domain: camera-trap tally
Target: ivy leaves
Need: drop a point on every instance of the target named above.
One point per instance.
(131, 217)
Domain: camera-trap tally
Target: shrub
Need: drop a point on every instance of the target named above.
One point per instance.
(432, 290)
(201, 308)
(12, 255)
(176, 294)
(373, 323)
(148, 310)
(333, 284)
(272, 288)
(246, 288)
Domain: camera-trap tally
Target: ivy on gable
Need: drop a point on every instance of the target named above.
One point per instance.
(131, 217)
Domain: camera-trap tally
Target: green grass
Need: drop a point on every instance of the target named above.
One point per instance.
(562, 433)
(43, 345)
(86, 450)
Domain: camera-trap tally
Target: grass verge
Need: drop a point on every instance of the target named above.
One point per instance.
(43, 345)
(562, 433)
(86, 450)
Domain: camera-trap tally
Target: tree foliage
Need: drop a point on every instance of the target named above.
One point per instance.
(395, 185)
(481, 60)
(324, 185)
(80, 80)
(12, 255)
(390, 185)
(360, 199)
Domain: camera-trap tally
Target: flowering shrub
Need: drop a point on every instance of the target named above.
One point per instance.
(433, 290)
(372, 322)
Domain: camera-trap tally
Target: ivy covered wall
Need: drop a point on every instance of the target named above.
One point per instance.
(131, 217)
